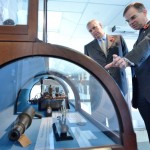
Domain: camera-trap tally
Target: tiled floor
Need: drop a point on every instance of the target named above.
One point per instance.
(143, 146)
(141, 133)
(142, 140)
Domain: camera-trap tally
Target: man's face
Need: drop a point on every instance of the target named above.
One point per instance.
(95, 29)
(135, 19)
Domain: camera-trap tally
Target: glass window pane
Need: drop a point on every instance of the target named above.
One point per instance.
(13, 12)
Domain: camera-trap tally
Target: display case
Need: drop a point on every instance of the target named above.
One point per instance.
(97, 112)
(58, 98)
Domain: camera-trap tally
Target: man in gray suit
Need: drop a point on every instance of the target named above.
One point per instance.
(114, 44)
(138, 59)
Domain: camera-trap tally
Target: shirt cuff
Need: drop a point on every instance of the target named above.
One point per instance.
(128, 61)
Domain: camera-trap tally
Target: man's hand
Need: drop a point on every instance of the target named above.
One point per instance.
(117, 62)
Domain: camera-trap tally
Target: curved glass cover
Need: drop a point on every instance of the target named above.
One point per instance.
(76, 110)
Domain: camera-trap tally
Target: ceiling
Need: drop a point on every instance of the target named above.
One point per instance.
(67, 19)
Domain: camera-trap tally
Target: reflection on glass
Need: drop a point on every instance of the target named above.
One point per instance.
(90, 114)
(93, 98)
(13, 12)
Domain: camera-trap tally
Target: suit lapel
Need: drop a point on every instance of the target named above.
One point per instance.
(110, 40)
(142, 34)
(96, 45)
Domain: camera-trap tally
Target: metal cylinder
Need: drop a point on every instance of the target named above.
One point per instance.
(22, 122)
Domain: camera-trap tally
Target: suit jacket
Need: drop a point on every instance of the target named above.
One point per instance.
(115, 45)
(140, 56)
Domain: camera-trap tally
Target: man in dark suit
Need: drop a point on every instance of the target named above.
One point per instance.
(138, 59)
(114, 44)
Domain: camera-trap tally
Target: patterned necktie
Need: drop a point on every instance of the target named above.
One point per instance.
(103, 46)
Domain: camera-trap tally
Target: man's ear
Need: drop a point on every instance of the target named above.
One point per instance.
(145, 12)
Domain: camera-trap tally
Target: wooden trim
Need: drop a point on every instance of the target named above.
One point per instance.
(18, 29)
(23, 32)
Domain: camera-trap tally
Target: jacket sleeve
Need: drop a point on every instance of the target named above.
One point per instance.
(124, 46)
(140, 52)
